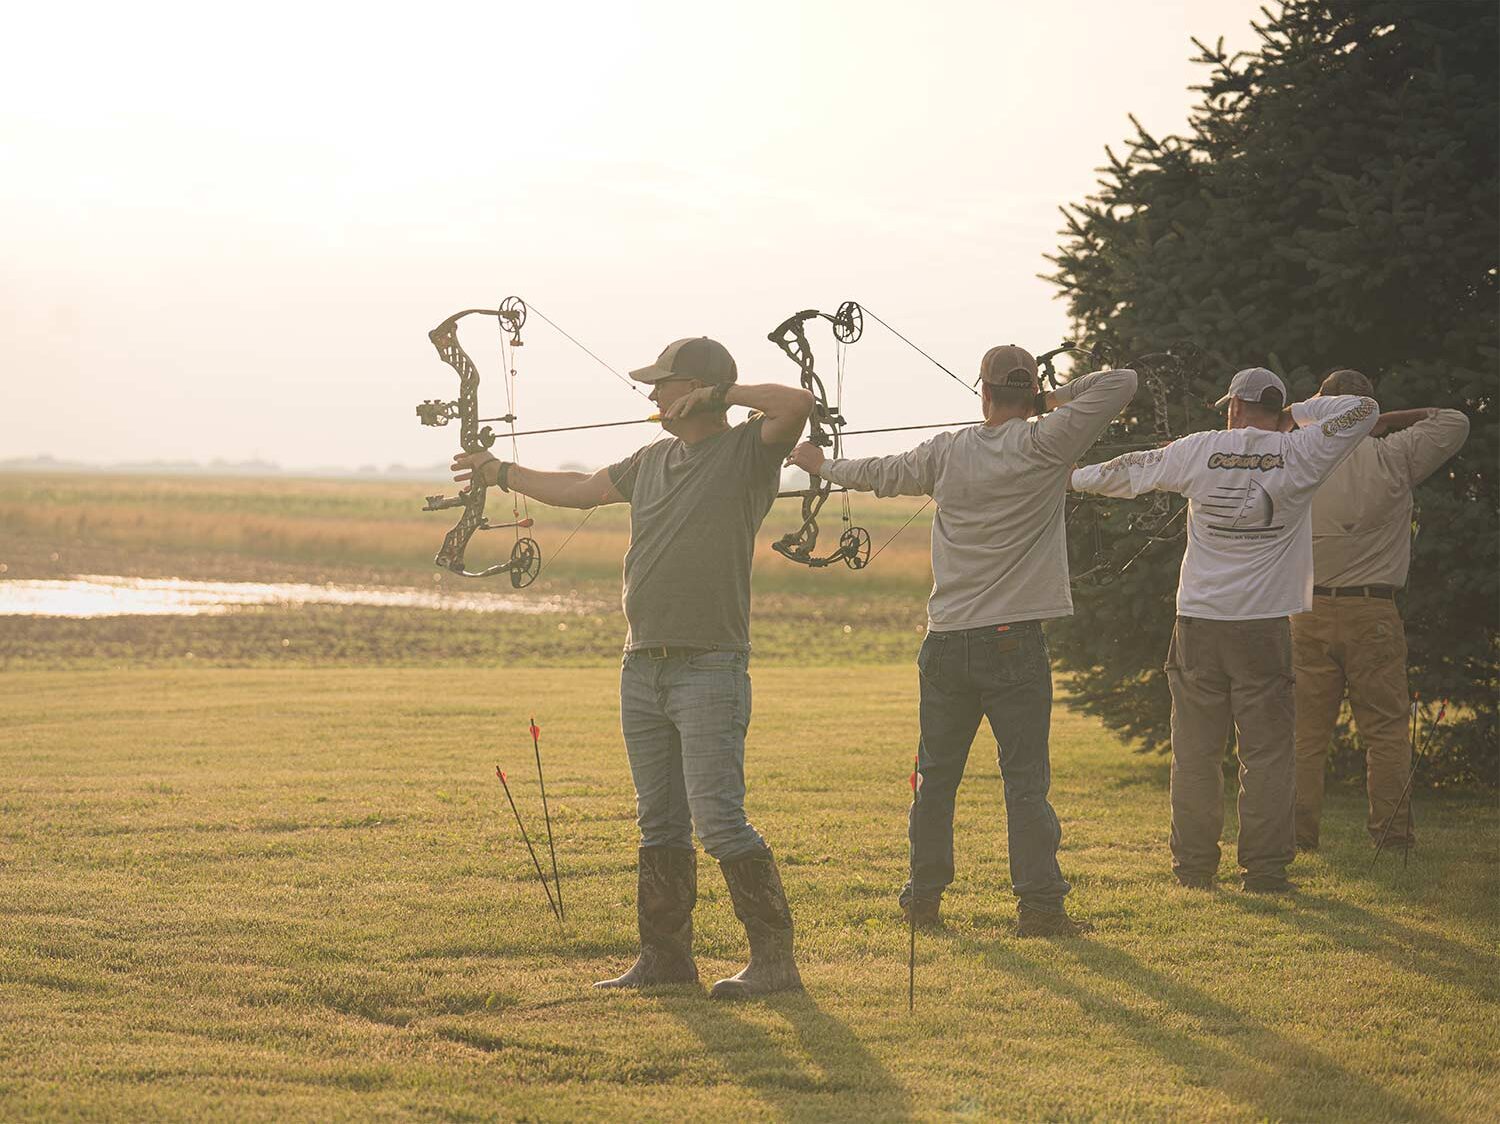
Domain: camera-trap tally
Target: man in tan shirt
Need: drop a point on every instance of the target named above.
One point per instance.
(1353, 636)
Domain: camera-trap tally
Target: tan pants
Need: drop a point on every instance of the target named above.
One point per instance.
(1239, 674)
(1358, 643)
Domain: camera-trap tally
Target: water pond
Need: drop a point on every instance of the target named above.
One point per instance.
(101, 595)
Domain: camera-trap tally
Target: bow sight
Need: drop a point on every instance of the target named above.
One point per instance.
(825, 429)
(525, 560)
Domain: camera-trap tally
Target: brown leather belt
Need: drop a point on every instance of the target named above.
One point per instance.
(1384, 592)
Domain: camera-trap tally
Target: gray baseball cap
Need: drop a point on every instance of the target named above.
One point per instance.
(1251, 384)
(699, 358)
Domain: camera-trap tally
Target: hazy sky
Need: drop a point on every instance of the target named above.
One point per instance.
(227, 231)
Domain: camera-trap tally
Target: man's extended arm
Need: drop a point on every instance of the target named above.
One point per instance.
(556, 489)
(913, 473)
(1168, 469)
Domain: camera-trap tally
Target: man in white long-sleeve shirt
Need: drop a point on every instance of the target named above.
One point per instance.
(1248, 568)
(1353, 636)
(1000, 567)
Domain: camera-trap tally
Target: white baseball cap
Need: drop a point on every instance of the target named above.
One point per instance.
(1251, 384)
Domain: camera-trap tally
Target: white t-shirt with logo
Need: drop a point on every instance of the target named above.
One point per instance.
(1249, 492)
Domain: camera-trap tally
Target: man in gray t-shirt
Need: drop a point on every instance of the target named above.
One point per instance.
(694, 512)
(696, 503)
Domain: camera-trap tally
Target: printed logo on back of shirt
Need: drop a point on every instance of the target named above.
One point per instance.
(1243, 509)
(1265, 462)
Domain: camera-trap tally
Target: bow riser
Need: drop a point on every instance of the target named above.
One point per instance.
(825, 426)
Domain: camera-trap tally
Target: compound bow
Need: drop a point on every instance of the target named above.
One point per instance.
(825, 429)
(1153, 519)
(525, 560)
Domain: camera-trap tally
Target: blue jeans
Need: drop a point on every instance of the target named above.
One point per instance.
(999, 672)
(684, 719)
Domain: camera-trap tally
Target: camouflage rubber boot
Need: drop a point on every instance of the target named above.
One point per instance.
(666, 891)
(760, 904)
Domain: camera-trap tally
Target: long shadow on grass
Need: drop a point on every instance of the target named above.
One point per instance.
(837, 1066)
(1457, 842)
(1413, 950)
(1253, 1064)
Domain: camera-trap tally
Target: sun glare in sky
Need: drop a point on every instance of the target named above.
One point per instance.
(228, 230)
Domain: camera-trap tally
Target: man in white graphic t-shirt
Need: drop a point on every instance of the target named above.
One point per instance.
(1248, 568)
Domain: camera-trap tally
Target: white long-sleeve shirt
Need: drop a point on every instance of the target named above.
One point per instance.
(1361, 516)
(999, 551)
(1249, 492)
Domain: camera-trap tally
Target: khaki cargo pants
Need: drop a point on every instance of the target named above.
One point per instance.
(1358, 643)
(1223, 675)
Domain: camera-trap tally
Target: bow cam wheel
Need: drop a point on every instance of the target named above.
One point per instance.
(513, 313)
(848, 323)
(525, 562)
(854, 545)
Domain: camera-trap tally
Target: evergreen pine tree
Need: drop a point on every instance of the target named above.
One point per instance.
(1332, 204)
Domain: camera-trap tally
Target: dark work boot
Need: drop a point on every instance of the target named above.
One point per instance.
(1032, 922)
(760, 904)
(925, 912)
(666, 891)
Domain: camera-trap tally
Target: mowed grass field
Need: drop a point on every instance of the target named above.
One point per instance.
(241, 880)
(263, 894)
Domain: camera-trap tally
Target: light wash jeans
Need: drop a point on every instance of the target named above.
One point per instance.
(684, 719)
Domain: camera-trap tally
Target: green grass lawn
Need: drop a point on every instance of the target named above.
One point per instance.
(264, 893)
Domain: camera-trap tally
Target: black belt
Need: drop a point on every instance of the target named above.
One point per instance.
(668, 651)
(1384, 592)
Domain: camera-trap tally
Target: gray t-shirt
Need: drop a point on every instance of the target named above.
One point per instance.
(694, 513)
